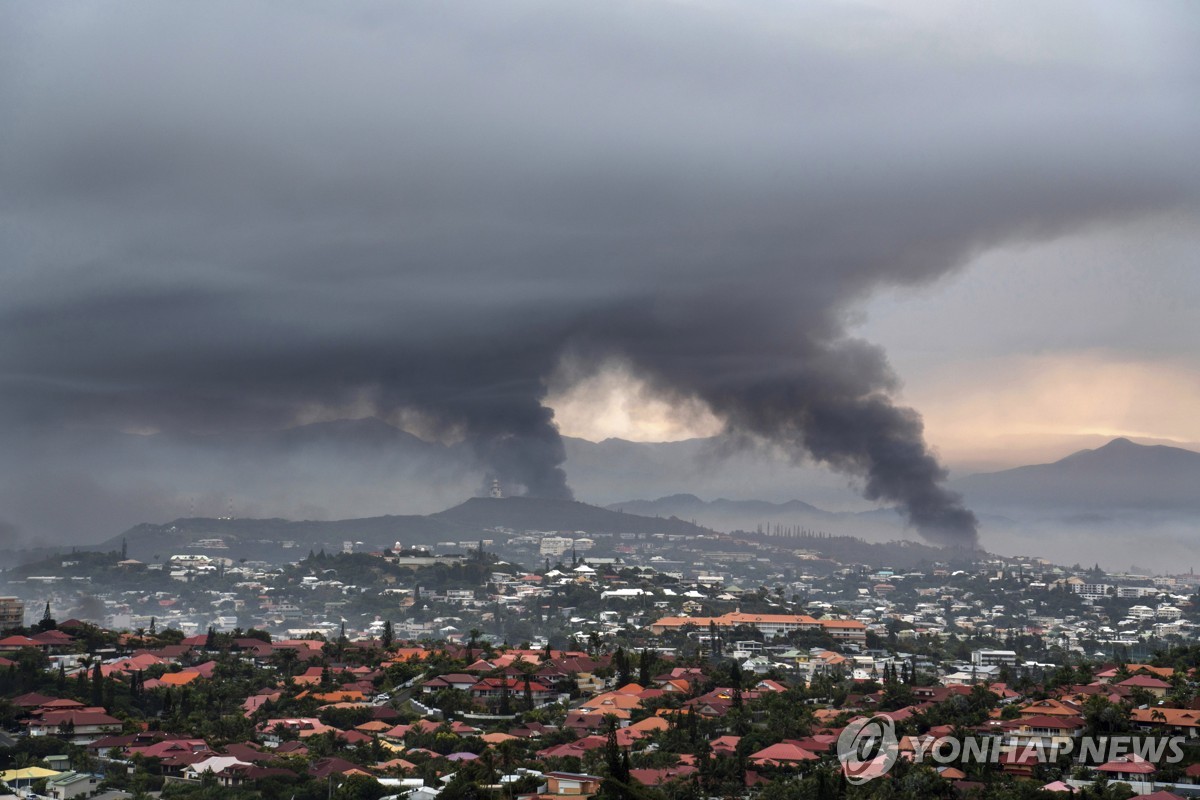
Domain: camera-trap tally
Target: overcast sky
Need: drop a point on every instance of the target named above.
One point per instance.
(790, 220)
(1033, 352)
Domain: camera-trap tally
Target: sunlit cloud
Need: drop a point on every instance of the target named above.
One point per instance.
(614, 403)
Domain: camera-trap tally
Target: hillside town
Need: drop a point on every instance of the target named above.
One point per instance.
(617, 666)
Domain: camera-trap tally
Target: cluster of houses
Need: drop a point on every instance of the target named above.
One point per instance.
(587, 710)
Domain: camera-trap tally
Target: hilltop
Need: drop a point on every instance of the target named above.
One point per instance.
(464, 522)
(530, 513)
(728, 515)
(261, 538)
(1120, 475)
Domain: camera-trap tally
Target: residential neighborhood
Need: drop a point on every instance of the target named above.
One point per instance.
(636, 670)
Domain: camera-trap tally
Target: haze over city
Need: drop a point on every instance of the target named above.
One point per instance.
(858, 249)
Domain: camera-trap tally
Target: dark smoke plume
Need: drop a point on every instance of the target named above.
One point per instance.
(228, 218)
(862, 435)
(831, 403)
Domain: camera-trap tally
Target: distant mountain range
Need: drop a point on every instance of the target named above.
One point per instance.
(94, 483)
(766, 517)
(529, 513)
(1130, 505)
(728, 515)
(1121, 475)
(684, 505)
(369, 469)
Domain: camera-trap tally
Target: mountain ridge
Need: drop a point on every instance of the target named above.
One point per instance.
(680, 503)
(528, 513)
(463, 522)
(1119, 475)
(364, 468)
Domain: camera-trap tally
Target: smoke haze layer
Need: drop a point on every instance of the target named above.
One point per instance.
(222, 217)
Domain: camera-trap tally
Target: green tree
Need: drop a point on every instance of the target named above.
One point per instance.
(97, 685)
(388, 635)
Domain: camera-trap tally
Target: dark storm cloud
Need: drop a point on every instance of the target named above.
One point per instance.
(215, 215)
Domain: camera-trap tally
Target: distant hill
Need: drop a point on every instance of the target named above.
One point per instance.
(1127, 505)
(1121, 475)
(794, 516)
(681, 505)
(529, 513)
(612, 470)
(464, 522)
(728, 515)
(366, 469)
(838, 550)
(347, 469)
(265, 536)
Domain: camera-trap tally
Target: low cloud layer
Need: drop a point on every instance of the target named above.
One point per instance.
(218, 217)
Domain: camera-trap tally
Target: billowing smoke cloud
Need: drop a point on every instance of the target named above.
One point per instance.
(217, 217)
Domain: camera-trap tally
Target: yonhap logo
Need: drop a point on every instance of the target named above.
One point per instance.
(867, 748)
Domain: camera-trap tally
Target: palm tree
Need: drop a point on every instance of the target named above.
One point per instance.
(85, 664)
(488, 760)
(285, 660)
(507, 751)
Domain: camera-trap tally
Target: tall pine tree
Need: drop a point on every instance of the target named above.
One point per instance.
(388, 635)
(97, 685)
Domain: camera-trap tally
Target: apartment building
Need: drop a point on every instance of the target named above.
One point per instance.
(12, 613)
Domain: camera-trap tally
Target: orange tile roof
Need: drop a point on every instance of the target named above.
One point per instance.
(339, 696)
(179, 678)
(1172, 717)
(1049, 707)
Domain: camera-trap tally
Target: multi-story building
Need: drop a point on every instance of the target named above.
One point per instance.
(766, 624)
(555, 545)
(845, 630)
(769, 625)
(1134, 592)
(1140, 612)
(1049, 733)
(12, 613)
(80, 727)
(994, 658)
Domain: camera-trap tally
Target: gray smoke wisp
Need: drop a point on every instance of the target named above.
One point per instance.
(219, 218)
